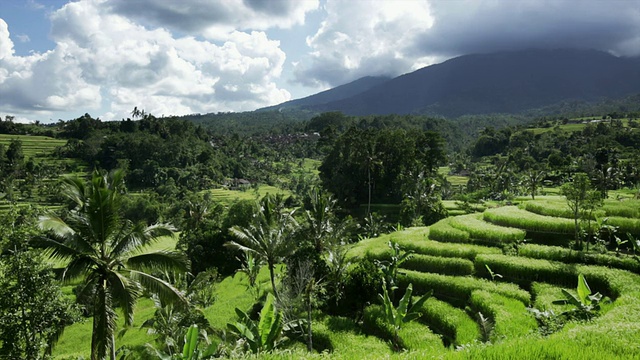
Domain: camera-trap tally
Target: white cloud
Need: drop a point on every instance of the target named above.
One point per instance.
(216, 19)
(6, 45)
(105, 62)
(23, 38)
(360, 38)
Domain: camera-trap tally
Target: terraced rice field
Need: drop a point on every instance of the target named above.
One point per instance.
(532, 276)
(33, 146)
(454, 267)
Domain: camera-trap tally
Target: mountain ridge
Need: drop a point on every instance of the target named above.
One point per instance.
(504, 82)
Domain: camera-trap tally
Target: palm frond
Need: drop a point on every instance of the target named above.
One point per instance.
(77, 267)
(135, 237)
(129, 238)
(125, 292)
(165, 291)
(72, 187)
(56, 225)
(159, 260)
(57, 250)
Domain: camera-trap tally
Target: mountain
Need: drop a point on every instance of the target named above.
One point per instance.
(507, 82)
(338, 93)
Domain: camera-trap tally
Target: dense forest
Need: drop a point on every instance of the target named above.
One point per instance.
(80, 222)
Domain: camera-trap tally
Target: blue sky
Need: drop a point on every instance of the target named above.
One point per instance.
(61, 59)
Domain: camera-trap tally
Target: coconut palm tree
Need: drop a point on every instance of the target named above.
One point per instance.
(320, 219)
(269, 236)
(107, 252)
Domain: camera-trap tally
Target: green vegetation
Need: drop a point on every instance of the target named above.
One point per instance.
(509, 316)
(287, 235)
(511, 216)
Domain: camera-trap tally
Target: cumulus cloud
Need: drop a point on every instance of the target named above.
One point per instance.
(216, 19)
(103, 60)
(361, 38)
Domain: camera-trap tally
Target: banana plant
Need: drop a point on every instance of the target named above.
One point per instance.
(585, 304)
(404, 313)
(262, 335)
(190, 349)
(389, 268)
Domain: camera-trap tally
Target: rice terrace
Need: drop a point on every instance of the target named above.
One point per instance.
(312, 179)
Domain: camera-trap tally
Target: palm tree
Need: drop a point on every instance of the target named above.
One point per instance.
(320, 219)
(269, 235)
(107, 252)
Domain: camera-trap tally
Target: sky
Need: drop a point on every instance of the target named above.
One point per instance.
(60, 59)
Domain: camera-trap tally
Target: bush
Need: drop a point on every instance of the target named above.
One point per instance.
(361, 288)
(439, 265)
(452, 323)
(510, 316)
(457, 289)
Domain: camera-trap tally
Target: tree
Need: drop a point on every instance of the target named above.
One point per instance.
(580, 199)
(320, 219)
(34, 310)
(532, 180)
(269, 236)
(106, 251)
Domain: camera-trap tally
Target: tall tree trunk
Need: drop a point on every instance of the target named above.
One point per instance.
(309, 331)
(102, 341)
(273, 281)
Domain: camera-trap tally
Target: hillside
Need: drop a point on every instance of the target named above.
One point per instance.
(336, 94)
(509, 82)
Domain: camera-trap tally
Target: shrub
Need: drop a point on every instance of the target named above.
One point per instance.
(361, 288)
(452, 323)
(440, 265)
(513, 217)
(510, 316)
(457, 289)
